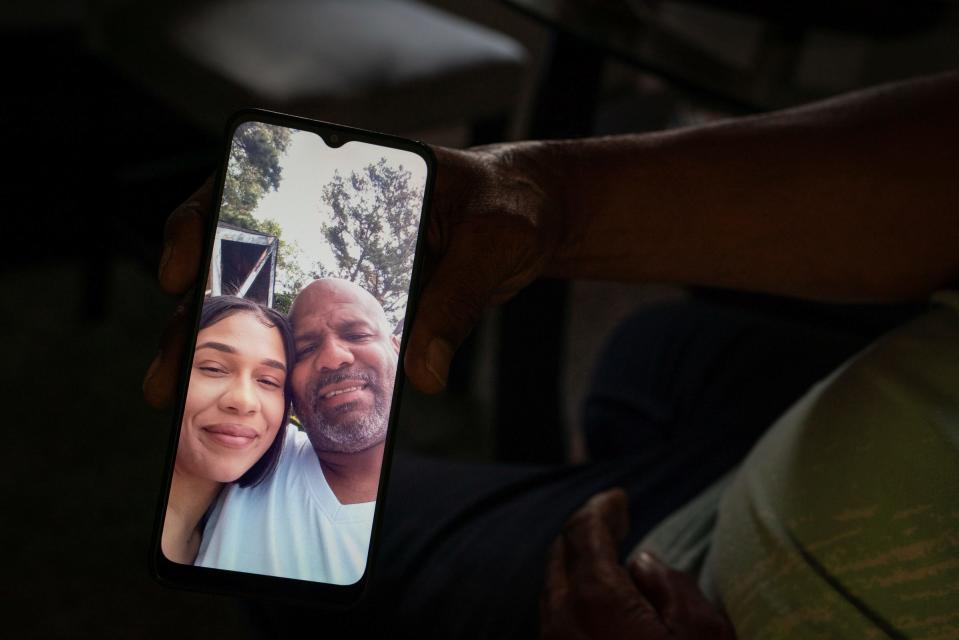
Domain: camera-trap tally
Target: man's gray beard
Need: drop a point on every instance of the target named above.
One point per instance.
(352, 436)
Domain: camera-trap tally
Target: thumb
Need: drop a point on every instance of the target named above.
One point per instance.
(160, 382)
(449, 307)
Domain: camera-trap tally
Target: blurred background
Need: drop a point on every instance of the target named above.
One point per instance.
(112, 114)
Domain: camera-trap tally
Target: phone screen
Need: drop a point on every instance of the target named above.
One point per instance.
(296, 363)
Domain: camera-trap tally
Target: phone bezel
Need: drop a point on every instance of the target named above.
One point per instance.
(223, 581)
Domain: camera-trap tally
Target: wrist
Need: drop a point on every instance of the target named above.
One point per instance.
(536, 173)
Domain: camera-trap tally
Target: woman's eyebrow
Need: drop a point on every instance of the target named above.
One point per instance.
(274, 363)
(219, 346)
(225, 348)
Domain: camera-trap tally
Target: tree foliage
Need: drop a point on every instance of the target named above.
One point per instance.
(291, 276)
(253, 169)
(374, 215)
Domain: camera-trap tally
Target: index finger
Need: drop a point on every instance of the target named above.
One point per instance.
(596, 529)
(183, 240)
(556, 582)
(592, 538)
(607, 598)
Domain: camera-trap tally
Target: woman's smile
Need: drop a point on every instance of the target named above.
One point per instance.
(233, 436)
(236, 400)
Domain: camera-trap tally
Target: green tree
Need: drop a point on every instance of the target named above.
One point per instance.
(374, 216)
(291, 276)
(253, 169)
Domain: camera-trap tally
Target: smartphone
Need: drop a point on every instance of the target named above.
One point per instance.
(288, 397)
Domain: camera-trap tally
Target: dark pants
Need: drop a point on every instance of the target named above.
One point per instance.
(679, 396)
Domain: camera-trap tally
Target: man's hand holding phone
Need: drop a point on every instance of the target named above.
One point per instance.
(494, 224)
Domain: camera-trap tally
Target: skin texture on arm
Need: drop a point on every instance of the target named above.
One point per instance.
(852, 199)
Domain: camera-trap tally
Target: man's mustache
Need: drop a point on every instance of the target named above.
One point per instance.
(334, 377)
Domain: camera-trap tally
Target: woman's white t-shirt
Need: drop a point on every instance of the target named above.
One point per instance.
(290, 525)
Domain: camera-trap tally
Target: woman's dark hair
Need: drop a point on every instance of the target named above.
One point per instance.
(222, 307)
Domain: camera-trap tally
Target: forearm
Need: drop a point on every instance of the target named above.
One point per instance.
(855, 198)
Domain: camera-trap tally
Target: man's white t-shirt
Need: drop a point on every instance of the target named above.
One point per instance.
(290, 525)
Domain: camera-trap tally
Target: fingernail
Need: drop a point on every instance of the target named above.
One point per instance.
(165, 258)
(438, 356)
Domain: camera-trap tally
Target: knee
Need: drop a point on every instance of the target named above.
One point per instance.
(635, 386)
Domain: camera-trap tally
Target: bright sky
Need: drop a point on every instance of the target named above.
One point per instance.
(307, 167)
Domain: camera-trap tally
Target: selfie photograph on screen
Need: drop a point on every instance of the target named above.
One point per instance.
(288, 402)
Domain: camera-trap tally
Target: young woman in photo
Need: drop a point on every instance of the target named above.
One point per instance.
(237, 402)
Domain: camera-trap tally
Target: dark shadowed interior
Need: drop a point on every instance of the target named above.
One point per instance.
(111, 118)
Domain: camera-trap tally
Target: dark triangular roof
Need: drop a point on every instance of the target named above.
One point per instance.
(227, 225)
